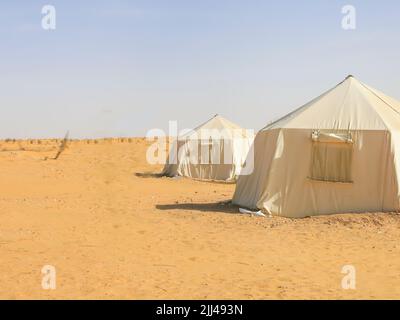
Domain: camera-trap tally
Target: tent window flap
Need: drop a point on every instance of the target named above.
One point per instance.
(331, 158)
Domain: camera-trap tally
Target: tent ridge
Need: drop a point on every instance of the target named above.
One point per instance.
(346, 94)
(303, 107)
(310, 103)
(380, 98)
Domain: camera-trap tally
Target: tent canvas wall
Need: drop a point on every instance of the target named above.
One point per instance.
(338, 153)
(216, 150)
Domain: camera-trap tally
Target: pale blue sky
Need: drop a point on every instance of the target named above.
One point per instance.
(120, 68)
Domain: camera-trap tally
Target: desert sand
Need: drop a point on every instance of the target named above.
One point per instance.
(113, 230)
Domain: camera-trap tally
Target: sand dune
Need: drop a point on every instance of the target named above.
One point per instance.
(114, 230)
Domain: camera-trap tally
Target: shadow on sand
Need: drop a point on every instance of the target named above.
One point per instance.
(148, 175)
(224, 206)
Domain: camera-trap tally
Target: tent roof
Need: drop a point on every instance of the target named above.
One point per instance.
(351, 105)
(216, 123)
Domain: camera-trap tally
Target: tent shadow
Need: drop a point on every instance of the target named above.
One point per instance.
(223, 207)
(148, 175)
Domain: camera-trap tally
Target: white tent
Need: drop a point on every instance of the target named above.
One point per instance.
(338, 153)
(216, 150)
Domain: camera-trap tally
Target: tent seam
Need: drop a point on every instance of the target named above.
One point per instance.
(378, 96)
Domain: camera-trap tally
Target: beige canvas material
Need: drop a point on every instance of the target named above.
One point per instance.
(365, 165)
(216, 150)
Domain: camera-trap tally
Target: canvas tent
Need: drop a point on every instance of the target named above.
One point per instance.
(216, 150)
(338, 153)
